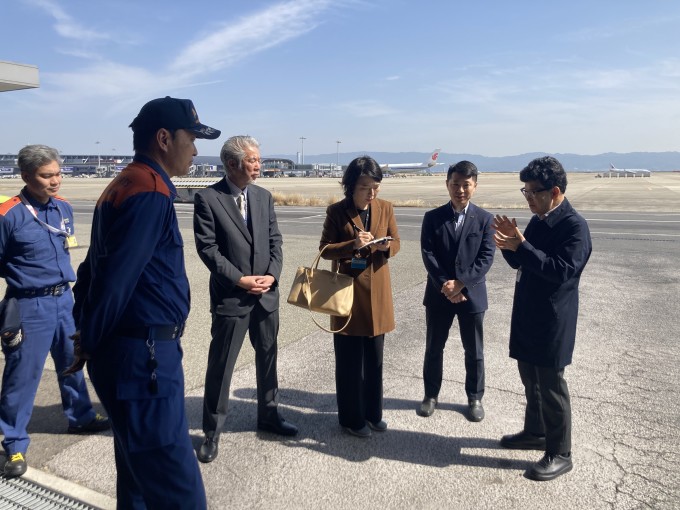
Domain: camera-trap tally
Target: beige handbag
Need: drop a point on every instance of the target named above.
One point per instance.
(319, 290)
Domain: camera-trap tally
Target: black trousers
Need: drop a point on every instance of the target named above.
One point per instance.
(358, 379)
(228, 334)
(548, 411)
(439, 321)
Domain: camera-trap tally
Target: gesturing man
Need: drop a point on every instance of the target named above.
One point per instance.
(549, 257)
(238, 239)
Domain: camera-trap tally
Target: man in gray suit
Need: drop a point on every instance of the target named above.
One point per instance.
(238, 239)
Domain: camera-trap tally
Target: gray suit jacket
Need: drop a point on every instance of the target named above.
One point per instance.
(230, 251)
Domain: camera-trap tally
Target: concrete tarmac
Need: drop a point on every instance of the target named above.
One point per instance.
(623, 383)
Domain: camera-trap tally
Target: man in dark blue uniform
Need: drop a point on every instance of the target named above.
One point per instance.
(549, 257)
(132, 299)
(36, 232)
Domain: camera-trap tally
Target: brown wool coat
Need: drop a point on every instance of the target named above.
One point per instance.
(372, 311)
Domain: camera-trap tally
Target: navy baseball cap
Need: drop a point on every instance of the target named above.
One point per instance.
(171, 113)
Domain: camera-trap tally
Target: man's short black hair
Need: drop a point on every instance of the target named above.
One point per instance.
(546, 170)
(142, 138)
(363, 165)
(463, 168)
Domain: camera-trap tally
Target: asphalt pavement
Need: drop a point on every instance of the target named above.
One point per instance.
(624, 384)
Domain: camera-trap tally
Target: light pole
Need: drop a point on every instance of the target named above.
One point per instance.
(302, 150)
(337, 153)
(99, 157)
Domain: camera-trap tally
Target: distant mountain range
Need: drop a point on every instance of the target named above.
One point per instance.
(655, 161)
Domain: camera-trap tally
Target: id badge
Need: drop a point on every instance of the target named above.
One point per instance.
(70, 242)
(359, 263)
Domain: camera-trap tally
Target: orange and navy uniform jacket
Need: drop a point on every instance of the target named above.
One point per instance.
(133, 274)
(31, 256)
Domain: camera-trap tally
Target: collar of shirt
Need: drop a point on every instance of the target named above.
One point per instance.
(37, 205)
(140, 158)
(461, 214)
(545, 215)
(235, 190)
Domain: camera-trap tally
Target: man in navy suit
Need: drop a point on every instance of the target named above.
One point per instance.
(238, 239)
(549, 258)
(458, 247)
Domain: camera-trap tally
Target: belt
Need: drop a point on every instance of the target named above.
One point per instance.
(54, 290)
(170, 332)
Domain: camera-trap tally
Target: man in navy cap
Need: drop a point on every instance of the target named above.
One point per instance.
(36, 234)
(132, 299)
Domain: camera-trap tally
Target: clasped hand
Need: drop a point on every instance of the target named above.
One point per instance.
(452, 290)
(256, 284)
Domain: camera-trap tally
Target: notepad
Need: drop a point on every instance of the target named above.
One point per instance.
(379, 240)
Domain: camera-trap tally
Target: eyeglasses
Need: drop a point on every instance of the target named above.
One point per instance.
(531, 193)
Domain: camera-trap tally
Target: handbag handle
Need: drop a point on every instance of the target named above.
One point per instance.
(308, 294)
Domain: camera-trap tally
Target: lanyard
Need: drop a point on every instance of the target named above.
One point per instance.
(367, 221)
(58, 231)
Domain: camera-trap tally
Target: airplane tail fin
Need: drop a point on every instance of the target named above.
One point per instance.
(433, 158)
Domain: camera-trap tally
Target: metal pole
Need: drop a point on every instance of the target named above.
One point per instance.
(337, 153)
(302, 150)
(99, 157)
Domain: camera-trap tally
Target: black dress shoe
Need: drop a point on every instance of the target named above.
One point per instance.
(475, 410)
(550, 467)
(281, 427)
(378, 426)
(364, 432)
(427, 407)
(208, 451)
(523, 441)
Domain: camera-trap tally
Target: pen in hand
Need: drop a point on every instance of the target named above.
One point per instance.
(362, 238)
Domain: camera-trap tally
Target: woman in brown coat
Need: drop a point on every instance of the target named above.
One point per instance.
(350, 224)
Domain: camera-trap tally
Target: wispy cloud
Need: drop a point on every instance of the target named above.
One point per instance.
(200, 61)
(65, 25)
(249, 35)
(392, 78)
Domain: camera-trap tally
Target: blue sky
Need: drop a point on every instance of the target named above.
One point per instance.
(493, 78)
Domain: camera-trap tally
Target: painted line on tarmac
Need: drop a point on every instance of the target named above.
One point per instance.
(611, 220)
(637, 234)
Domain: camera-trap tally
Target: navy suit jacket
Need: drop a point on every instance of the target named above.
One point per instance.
(545, 308)
(469, 263)
(230, 251)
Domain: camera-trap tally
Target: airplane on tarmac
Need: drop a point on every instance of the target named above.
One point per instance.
(393, 168)
(642, 172)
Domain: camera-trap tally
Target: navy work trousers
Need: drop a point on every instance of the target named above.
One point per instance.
(155, 461)
(47, 324)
